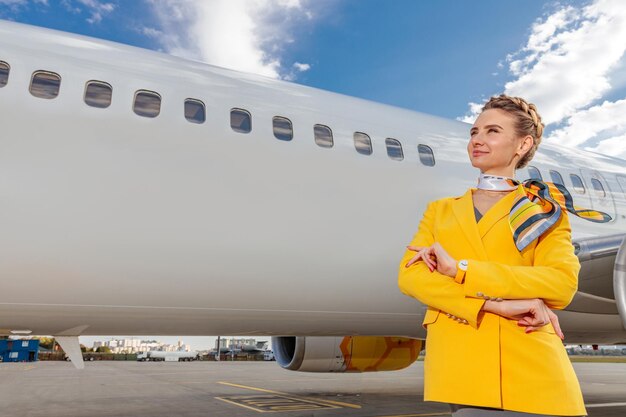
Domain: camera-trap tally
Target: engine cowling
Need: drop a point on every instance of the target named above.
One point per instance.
(345, 354)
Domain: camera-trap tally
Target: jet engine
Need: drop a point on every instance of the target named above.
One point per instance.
(345, 354)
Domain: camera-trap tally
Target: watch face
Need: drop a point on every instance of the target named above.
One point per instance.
(463, 265)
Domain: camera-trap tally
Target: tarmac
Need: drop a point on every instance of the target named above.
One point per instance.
(238, 389)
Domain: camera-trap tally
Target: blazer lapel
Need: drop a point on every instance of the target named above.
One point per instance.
(498, 211)
(463, 209)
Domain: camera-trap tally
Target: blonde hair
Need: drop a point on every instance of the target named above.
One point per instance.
(527, 121)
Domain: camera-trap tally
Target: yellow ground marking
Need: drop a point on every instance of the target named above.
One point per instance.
(241, 405)
(275, 403)
(342, 404)
(418, 415)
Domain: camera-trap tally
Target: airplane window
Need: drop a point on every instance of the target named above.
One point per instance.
(534, 173)
(394, 149)
(556, 177)
(362, 143)
(579, 187)
(147, 103)
(426, 155)
(45, 84)
(98, 94)
(4, 73)
(282, 128)
(240, 121)
(597, 186)
(323, 136)
(194, 111)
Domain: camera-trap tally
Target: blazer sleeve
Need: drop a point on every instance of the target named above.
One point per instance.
(553, 276)
(432, 288)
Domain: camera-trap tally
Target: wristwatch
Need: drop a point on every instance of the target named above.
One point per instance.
(461, 268)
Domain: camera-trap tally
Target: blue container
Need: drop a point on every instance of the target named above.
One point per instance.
(19, 350)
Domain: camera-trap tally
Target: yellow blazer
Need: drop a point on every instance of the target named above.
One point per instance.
(489, 360)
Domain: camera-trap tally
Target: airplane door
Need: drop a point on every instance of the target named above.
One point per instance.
(599, 192)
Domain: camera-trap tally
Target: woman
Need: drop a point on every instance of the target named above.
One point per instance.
(490, 265)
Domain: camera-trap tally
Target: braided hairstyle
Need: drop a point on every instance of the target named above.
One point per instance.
(527, 121)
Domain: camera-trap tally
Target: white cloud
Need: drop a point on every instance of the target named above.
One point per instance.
(544, 37)
(566, 63)
(296, 69)
(98, 9)
(569, 65)
(16, 4)
(9, 9)
(151, 32)
(612, 146)
(70, 7)
(474, 111)
(301, 67)
(246, 35)
(604, 119)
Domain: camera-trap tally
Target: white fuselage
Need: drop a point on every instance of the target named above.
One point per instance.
(119, 224)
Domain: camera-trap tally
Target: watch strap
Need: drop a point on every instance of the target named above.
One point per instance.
(460, 272)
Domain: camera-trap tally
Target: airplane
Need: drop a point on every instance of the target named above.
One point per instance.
(145, 194)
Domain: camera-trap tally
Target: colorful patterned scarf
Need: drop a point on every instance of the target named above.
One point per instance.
(537, 206)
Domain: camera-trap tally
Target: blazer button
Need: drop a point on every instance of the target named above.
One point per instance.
(494, 299)
(464, 321)
(499, 299)
(479, 294)
(486, 297)
(448, 314)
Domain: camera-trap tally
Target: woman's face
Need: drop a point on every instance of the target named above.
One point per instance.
(494, 147)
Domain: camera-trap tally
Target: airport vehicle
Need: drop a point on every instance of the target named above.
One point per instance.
(268, 355)
(158, 356)
(143, 194)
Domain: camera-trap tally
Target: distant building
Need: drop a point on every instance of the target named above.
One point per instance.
(136, 345)
(234, 343)
(223, 343)
(19, 350)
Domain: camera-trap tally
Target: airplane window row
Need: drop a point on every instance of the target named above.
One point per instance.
(46, 85)
(577, 182)
(241, 121)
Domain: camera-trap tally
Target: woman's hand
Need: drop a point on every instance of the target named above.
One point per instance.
(531, 313)
(435, 257)
(426, 254)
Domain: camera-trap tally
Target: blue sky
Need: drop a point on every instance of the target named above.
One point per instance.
(440, 57)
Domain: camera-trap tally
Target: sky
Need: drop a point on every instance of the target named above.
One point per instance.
(442, 57)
